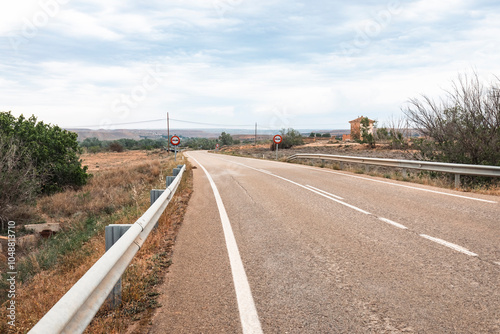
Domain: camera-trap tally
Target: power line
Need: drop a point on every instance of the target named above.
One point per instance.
(212, 124)
(161, 120)
(127, 123)
(250, 126)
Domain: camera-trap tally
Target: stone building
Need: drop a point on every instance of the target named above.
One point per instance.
(356, 128)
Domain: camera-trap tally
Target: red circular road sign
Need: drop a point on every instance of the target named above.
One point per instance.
(277, 139)
(217, 146)
(175, 140)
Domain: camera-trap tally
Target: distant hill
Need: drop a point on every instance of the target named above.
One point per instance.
(196, 133)
(139, 134)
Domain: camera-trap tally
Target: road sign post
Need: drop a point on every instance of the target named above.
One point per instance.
(277, 140)
(216, 147)
(175, 140)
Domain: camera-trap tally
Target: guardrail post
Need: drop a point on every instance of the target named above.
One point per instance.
(367, 169)
(404, 173)
(341, 165)
(176, 171)
(170, 179)
(111, 234)
(153, 196)
(457, 180)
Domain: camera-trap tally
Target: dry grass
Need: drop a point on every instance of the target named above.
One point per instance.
(434, 179)
(478, 185)
(116, 195)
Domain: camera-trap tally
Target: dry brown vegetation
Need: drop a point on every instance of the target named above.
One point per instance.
(442, 180)
(118, 194)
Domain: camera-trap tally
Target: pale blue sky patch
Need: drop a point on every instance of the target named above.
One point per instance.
(314, 64)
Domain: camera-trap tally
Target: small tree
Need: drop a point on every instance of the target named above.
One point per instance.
(225, 139)
(382, 134)
(291, 137)
(464, 127)
(326, 135)
(53, 151)
(115, 147)
(367, 135)
(91, 142)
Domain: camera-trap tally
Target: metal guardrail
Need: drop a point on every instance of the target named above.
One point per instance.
(457, 169)
(76, 309)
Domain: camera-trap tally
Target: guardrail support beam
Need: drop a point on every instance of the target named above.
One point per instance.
(404, 172)
(111, 234)
(452, 168)
(170, 179)
(75, 310)
(153, 196)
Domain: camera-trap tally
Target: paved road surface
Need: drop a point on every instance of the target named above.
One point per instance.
(284, 248)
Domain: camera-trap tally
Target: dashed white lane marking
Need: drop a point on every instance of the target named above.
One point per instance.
(388, 221)
(379, 181)
(250, 322)
(302, 186)
(321, 192)
(265, 171)
(324, 192)
(450, 245)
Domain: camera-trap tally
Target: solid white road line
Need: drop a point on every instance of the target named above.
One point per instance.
(375, 180)
(450, 245)
(393, 223)
(302, 186)
(321, 193)
(324, 192)
(250, 322)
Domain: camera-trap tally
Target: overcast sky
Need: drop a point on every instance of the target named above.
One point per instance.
(302, 64)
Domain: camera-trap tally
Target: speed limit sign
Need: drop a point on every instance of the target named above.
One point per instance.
(277, 139)
(175, 140)
(217, 146)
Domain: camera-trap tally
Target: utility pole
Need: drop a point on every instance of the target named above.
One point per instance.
(168, 136)
(255, 142)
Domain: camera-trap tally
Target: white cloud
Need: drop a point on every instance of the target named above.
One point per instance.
(273, 62)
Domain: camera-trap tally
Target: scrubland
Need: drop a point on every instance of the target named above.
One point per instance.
(118, 193)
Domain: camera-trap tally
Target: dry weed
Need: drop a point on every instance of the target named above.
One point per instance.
(127, 191)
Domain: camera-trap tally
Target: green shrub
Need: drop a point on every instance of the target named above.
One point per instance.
(115, 147)
(53, 151)
(291, 137)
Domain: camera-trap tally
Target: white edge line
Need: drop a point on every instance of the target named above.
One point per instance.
(449, 245)
(250, 322)
(302, 186)
(437, 240)
(388, 221)
(374, 180)
(324, 192)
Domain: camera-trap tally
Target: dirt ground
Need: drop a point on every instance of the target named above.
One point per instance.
(109, 160)
(320, 147)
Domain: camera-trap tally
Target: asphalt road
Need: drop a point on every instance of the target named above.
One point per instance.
(294, 249)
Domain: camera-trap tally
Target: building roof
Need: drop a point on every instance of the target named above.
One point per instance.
(358, 120)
